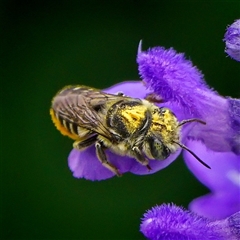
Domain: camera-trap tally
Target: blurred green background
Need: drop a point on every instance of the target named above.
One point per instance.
(49, 44)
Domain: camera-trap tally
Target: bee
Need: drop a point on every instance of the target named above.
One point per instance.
(127, 126)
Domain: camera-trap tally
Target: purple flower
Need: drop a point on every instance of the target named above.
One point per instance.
(180, 86)
(232, 39)
(223, 180)
(170, 222)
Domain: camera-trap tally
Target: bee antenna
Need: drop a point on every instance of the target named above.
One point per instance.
(191, 120)
(193, 154)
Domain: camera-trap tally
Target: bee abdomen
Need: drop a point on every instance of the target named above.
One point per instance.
(66, 127)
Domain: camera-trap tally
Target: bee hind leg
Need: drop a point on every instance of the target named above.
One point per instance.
(82, 144)
(140, 157)
(103, 159)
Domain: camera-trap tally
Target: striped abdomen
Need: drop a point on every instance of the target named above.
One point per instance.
(63, 111)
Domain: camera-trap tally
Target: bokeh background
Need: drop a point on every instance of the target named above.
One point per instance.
(49, 44)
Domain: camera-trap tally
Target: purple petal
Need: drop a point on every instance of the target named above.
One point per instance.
(134, 89)
(167, 222)
(232, 39)
(234, 119)
(84, 164)
(172, 77)
(223, 179)
(182, 87)
(216, 205)
(222, 131)
(234, 224)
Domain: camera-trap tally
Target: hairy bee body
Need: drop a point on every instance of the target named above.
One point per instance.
(127, 126)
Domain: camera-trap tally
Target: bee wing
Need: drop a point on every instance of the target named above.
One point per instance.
(89, 111)
(83, 107)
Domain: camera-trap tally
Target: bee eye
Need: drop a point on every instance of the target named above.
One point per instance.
(157, 149)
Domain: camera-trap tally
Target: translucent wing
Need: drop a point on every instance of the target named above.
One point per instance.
(83, 106)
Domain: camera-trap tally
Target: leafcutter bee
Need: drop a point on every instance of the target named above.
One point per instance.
(127, 126)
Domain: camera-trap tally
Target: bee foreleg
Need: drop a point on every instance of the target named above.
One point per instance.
(140, 157)
(81, 144)
(103, 159)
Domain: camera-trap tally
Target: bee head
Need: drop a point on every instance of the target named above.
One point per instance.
(160, 145)
(163, 131)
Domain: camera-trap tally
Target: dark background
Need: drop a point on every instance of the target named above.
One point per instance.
(49, 44)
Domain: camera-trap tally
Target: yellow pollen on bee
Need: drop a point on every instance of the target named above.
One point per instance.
(134, 117)
(164, 122)
(169, 120)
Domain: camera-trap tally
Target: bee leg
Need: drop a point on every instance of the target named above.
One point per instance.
(140, 157)
(103, 159)
(154, 98)
(81, 144)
